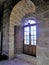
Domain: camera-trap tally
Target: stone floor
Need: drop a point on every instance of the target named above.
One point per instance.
(14, 62)
(20, 59)
(27, 58)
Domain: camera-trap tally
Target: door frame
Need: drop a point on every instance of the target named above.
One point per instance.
(30, 40)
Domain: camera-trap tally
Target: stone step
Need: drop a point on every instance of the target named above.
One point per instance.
(27, 58)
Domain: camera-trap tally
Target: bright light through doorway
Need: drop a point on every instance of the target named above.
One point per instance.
(30, 32)
(30, 21)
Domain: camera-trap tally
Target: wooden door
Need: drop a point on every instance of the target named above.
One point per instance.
(29, 46)
(30, 49)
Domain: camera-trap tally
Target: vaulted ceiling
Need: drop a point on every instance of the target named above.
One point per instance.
(41, 6)
(37, 2)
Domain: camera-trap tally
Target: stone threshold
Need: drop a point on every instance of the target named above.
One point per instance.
(27, 58)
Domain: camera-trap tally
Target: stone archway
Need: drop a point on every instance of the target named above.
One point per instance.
(20, 10)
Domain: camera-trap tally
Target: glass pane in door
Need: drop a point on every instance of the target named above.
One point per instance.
(26, 35)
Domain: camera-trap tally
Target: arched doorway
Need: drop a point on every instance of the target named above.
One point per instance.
(19, 11)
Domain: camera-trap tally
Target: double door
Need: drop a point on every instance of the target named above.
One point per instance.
(29, 46)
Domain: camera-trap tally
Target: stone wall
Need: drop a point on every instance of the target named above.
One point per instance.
(18, 40)
(6, 18)
(43, 39)
(7, 7)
